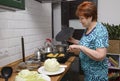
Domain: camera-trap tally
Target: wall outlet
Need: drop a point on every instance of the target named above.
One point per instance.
(3, 52)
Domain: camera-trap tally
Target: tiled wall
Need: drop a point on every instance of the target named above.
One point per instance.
(33, 23)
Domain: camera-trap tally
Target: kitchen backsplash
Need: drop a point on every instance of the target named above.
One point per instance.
(33, 23)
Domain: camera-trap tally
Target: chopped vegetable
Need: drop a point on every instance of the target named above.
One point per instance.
(26, 75)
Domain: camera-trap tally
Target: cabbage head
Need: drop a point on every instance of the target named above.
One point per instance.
(51, 65)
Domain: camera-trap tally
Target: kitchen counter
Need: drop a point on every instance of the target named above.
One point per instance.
(54, 77)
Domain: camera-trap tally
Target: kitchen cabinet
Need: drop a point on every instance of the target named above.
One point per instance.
(72, 9)
(12, 4)
(68, 9)
(74, 71)
(73, 6)
(65, 13)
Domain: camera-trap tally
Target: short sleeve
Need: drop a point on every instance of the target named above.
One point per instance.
(102, 39)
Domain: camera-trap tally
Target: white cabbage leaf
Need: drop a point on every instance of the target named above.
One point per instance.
(26, 75)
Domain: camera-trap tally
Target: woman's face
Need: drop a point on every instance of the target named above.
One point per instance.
(85, 21)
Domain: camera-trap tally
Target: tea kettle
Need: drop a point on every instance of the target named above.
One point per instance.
(48, 46)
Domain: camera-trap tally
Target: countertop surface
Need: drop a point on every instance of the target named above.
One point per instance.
(53, 77)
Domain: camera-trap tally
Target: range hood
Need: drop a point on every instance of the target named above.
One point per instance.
(52, 1)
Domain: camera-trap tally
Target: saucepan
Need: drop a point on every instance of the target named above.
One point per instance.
(61, 48)
(63, 36)
(6, 72)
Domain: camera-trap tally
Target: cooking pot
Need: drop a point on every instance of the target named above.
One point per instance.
(48, 49)
(61, 48)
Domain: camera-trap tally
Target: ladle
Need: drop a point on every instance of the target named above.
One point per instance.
(6, 72)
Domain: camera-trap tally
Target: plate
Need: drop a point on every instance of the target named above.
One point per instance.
(43, 71)
(47, 78)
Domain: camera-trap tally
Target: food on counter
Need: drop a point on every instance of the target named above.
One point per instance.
(61, 55)
(26, 75)
(51, 65)
(22, 65)
(55, 55)
(52, 55)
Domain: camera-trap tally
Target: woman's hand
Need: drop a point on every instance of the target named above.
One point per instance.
(74, 48)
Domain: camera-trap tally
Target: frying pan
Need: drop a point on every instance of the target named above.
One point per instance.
(6, 72)
(64, 34)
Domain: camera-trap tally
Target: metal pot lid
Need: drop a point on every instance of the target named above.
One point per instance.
(64, 34)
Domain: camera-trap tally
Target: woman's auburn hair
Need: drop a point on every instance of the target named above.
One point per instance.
(87, 9)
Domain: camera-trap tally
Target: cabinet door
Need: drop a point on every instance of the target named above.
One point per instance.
(72, 9)
(19, 4)
(65, 14)
(73, 6)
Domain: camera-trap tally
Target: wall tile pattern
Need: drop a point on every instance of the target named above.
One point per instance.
(33, 23)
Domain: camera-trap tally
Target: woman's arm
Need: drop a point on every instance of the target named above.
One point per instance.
(73, 40)
(98, 54)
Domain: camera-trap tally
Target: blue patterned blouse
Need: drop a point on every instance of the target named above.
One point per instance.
(94, 70)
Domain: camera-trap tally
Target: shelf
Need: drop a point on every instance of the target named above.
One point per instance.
(117, 68)
(114, 61)
(113, 54)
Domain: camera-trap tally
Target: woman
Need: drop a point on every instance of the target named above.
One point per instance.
(92, 47)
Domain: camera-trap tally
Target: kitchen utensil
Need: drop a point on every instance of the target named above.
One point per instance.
(6, 72)
(23, 49)
(48, 46)
(61, 48)
(38, 54)
(64, 34)
(48, 49)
